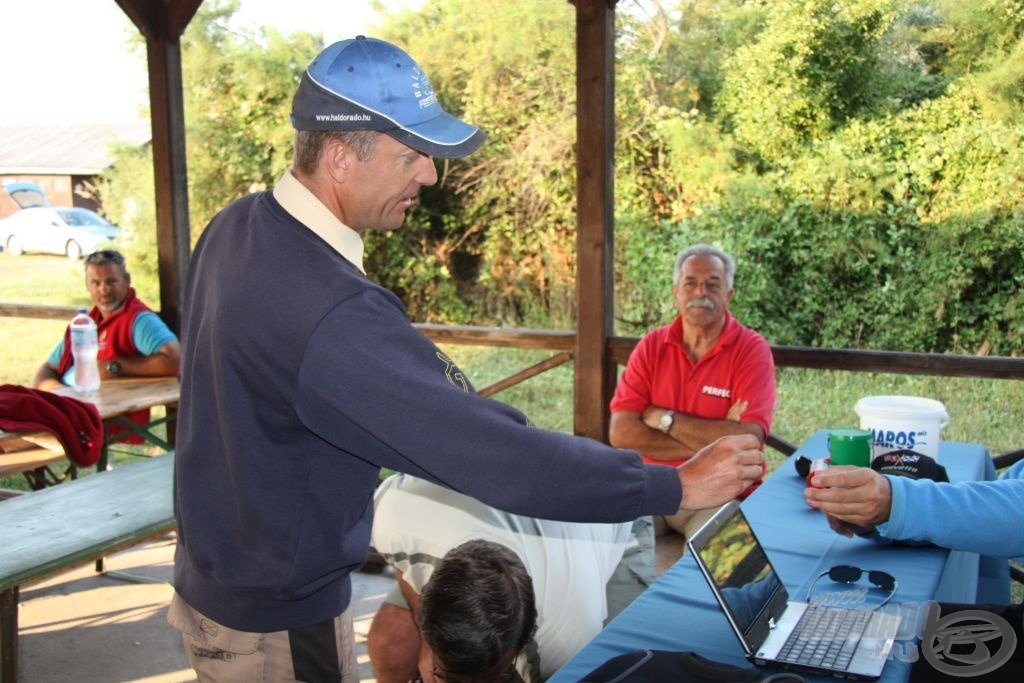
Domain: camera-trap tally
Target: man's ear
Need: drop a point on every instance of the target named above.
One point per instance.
(337, 159)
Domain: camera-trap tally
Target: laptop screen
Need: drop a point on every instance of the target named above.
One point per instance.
(739, 568)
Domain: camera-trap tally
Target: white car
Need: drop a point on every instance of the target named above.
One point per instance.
(55, 230)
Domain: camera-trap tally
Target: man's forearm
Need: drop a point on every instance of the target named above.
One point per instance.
(693, 433)
(46, 378)
(629, 431)
(156, 365)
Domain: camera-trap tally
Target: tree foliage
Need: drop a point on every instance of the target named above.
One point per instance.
(862, 159)
(238, 87)
(510, 68)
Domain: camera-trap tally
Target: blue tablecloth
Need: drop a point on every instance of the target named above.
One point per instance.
(680, 613)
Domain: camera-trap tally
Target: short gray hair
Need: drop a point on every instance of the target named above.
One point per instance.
(706, 250)
(105, 256)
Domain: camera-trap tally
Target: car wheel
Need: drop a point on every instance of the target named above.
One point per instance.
(14, 246)
(73, 250)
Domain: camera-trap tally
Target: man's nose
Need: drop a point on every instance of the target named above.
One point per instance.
(427, 173)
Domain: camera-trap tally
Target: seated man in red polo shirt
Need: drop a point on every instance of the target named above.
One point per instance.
(699, 378)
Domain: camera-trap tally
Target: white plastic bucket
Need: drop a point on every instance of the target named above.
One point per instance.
(897, 422)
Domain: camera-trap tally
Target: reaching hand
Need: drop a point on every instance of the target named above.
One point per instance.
(720, 471)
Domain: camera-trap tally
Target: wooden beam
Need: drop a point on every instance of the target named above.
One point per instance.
(41, 311)
(162, 24)
(858, 360)
(519, 338)
(525, 374)
(595, 133)
(940, 364)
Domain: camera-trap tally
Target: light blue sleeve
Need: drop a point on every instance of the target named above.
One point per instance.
(54, 360)
(978, 516)
(149, 333)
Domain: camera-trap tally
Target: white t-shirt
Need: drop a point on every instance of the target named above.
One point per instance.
(417, 522)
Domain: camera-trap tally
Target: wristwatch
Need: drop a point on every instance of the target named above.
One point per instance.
(114, 368)
(665, 423)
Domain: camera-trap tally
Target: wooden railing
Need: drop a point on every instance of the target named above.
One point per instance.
(564, 343)
(37, 311)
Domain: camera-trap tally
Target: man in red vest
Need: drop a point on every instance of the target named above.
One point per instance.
(134, 341)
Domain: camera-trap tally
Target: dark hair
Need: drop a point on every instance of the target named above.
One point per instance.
(309, 146)
(105, 256)
(477, 608)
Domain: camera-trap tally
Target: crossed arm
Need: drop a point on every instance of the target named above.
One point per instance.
(688, 434)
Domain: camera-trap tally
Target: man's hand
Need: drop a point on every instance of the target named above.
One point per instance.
(857, 496)
(736, 410)
(652, 416)
(720, 471)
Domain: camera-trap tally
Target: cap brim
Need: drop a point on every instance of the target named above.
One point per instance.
(443, 136)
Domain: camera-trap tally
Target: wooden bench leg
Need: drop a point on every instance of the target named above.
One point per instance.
(9, 635)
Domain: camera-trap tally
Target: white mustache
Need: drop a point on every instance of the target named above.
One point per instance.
(702, 302)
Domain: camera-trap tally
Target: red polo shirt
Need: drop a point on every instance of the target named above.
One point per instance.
(738, 367)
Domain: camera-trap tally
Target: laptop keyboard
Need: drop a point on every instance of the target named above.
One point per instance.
(816, 641)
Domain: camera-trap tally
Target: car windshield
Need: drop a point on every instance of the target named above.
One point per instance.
(72, 217)
(27, 198)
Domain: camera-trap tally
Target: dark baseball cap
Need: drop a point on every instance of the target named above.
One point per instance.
(908, 463)
(369, 84)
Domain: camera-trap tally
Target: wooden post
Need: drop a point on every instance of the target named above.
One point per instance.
(595, 135)
(162, 24)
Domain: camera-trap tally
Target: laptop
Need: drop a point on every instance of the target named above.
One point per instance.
(758, 608)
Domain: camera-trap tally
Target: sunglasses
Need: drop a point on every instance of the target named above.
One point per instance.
(845, 573)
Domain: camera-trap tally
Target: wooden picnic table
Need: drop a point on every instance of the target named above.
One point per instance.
(115, 401)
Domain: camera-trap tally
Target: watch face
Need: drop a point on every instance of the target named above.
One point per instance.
(666, 422)
(114, 368)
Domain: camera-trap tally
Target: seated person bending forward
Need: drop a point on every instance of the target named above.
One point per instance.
(699, 378)
(983, 517)
(417, 522)
(476, 614)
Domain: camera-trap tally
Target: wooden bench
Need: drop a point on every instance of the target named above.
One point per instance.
(35, 465)
(52, 530)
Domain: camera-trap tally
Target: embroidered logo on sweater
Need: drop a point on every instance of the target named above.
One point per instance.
(452, 372)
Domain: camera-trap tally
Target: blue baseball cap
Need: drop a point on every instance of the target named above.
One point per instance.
(369, 84)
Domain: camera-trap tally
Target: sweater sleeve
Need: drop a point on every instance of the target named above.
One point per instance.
(397, 401)
(978, 516)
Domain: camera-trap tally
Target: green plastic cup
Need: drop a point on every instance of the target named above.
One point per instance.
(849, 447)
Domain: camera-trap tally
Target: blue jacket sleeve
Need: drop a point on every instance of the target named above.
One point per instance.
(398, 402)
(985, 517)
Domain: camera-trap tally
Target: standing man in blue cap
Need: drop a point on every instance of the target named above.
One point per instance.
(301, 378)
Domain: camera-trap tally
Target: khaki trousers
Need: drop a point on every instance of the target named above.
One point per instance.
(320, 652)
(685, 522)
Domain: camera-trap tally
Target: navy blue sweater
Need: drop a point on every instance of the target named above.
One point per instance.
(301, 378)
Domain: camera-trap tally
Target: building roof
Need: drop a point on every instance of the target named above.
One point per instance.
(65, 149)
